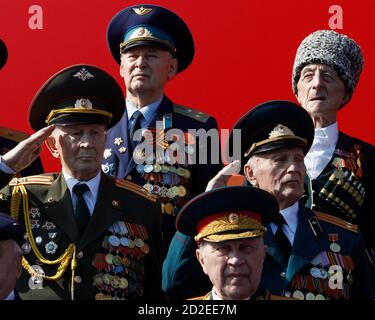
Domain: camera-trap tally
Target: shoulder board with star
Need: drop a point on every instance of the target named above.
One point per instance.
(337, 221)
(191, 113)
(38, 179)
(135, 188)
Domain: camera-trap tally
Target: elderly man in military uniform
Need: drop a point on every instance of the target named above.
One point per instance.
(152, 44)
(11, 234)
(340, 168)
(88, 235)
(311, 255)
(228, 225)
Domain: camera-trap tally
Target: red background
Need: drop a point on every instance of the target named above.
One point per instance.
(244, 53)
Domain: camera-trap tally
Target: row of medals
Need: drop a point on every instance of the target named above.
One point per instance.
(167, 192)
(50, 246)
(122, 275)
(319, 273)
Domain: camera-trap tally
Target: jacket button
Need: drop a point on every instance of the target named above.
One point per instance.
(77, 279)
(283, 275)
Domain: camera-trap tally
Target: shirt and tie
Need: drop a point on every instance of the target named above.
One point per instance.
(284, 228)
(84, 195)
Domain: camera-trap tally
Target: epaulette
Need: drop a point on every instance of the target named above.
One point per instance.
(191, 113)
(133, 187)
(39, 179)
(337, 221)
(12, 134)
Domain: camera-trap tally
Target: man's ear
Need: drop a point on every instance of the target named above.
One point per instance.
(122, 67)
(249, 174)
(199, 255)
(173, 65)
(51, 145)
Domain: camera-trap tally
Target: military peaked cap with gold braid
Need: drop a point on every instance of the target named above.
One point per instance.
(150, 25)
(79, 94)
(272, 125)
(227, 213)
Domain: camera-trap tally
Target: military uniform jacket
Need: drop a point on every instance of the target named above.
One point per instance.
(190, 179)
(102, 264)
(329, 265)
(346, 187)
(260, 294)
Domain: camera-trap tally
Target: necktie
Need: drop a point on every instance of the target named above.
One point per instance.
(81, 209)
(137, 118)
(281, 239)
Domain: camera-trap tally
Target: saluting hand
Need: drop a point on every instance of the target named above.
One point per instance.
(221, 179)
(27, 150)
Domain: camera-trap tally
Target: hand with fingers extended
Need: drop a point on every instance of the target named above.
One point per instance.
(27, 150)
(222, 177)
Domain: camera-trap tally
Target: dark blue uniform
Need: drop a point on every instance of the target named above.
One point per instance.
(193, 178)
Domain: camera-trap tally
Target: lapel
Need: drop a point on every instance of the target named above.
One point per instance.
(58, 206)
(165, 107)
(272, 247)
(305, 246)
(105, 212)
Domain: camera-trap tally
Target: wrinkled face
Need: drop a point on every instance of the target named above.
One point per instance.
(10, 266)
(80, 149)
(146, 70)
(234, 267)
(281, 172)
(320, 90)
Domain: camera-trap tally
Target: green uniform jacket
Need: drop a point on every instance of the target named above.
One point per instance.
(52, 217)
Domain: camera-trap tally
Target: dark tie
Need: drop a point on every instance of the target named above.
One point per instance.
(137, 118)
(81, 210)
(281, 239)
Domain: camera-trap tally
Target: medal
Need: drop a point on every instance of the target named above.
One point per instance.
(148, 168)
(139, 242)
(117, 260)
(99, 296)
(163, 192)
(124, 241)
(98, 280)
(51, 247)
(335, 247)
(181, 171)
(148, 187)
(123, 283)
(187, 174)
(109, 258)
(310, 296)
(118, 141)
(182, 191)
(168, 208)
(26, 248)
(157, 167)
(145, 249)
(319, 297)
(107, 278)
(164, 168)
(131, 244)
(298, 295)
(114, 241)
(315, 272)
(140, 168)
(38, 240)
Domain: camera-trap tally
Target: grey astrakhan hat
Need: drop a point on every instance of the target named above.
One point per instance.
(333, 49)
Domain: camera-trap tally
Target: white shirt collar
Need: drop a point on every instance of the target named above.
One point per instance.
(331, 133)
(290, 215)
(90, 197)
(93, 183)
(147, 111)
